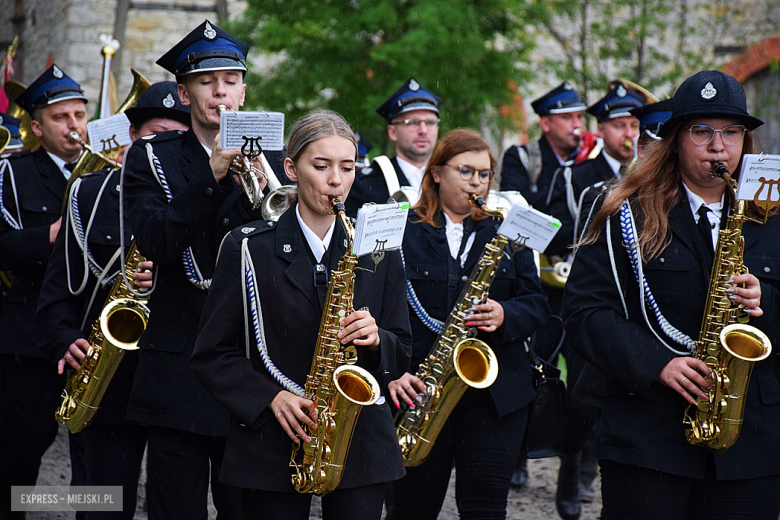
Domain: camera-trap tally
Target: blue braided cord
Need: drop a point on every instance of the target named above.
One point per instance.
(433, 324)
(6, 215)
(188, 259)
(81, 238)
(279, 377)
(630, 243)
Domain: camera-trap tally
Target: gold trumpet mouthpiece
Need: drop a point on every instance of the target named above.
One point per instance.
(629, 144)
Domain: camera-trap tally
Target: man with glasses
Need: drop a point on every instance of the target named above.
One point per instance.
(412, 113)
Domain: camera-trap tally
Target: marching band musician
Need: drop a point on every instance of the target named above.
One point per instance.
(72, 298)
(182, 201)
(293, 258)
(33, 186)
(412, 114)
(664, 236)
(443, 242)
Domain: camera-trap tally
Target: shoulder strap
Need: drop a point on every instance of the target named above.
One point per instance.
(533, 160)
(391, 178)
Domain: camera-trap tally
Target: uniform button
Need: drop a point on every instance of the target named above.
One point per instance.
(225, 221)
(661, 260)
(464, 278)
(767, 269)
(425, 273)
(270, 224)
(44, 208)
(108, 237)
(209, 192)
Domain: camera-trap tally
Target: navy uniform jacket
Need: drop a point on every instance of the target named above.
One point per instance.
(60, 313)
(516, 286)
(165, 391)
(641, 419)
(589, 173)
(370, 186)
(258, 451)
(40, 186)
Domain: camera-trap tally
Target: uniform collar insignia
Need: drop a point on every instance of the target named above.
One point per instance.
(413, 85)
(709, 91)
(621, 91)
(247, 230)
(209, 33)
(287, 248)
(345, 243)
(57, 72)
(168, 102)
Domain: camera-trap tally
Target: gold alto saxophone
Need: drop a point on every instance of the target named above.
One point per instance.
(116, 331)
(726, 344)
(338, 388)
(456, 361)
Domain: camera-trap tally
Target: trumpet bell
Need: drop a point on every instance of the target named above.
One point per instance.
(278, 201)
(5, 138)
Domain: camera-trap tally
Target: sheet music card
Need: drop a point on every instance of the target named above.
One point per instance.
(380, 227)
(760, 178)
(267, 126)
(533, 228)
(109, 133)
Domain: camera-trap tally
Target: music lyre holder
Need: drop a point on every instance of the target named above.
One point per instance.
(251, 143)
(108, 146)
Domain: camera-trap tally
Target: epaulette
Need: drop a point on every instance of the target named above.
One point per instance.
(253, 228)
(164, 136)
(16, 155)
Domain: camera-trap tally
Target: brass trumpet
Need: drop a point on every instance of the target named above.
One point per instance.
(280, 197)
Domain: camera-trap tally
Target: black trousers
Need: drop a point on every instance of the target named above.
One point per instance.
(113, 455)
(361, 503)
(179, 466)
(634, 493)
(484, 448)
(30, 391)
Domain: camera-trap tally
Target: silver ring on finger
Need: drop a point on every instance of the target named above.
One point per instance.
(488, 323)
(683, 379)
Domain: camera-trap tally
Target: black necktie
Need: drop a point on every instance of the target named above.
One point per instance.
(705, 228)
(622, 170)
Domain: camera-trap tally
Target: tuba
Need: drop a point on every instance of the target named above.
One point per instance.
(280, 197)
(116, 331)
(456, 361)
(338, 388)
(726, 343)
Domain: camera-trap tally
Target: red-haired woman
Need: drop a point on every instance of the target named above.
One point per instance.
(443, 241)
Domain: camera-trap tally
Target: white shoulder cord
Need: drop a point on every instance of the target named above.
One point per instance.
(631, 243)
(190, 265)
(6, 165)
(248, 272)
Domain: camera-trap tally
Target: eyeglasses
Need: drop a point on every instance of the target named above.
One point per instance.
(467, 172)
(704, 134)
(415, 123)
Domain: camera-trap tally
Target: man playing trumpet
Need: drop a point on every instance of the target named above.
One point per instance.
(182, 202)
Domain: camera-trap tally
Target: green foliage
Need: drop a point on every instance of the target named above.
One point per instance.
(350, 56)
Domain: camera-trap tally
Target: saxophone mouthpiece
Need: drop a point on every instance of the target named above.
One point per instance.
(338, 206)
(477, 201)
(719, 169)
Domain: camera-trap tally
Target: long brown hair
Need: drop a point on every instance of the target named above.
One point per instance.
(655, 185)
(456, 142)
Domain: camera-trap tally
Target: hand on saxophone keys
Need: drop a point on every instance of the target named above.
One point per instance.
(74, 355)
(360, 328)
(409, 388)
(144, 277)
(688, 376)
(292, 411)
(745, 291)
(487, 316)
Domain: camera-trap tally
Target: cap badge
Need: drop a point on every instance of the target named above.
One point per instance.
(209, 33)
(567, 86)
(621, 91)
(287, 248)
(247, 230)
(413, 85)
(57, 72)
(168, 102)
(709, 91)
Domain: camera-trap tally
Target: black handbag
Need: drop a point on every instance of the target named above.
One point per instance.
(544, 431)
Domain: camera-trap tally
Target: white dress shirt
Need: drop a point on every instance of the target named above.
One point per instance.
(454, 234)
(318, 246)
